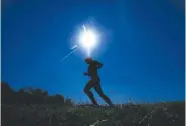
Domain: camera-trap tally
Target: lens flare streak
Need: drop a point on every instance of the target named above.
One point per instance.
(65, 57)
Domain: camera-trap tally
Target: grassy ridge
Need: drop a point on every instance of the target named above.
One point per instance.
(160, 114)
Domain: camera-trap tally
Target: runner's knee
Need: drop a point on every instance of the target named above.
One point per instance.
(86, 90)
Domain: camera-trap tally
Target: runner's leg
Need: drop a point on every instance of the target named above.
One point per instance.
(99, 90)
(87, 88)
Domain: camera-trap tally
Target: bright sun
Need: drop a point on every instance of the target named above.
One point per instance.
(88, 39)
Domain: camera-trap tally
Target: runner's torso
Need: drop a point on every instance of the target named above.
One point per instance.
(92, 69)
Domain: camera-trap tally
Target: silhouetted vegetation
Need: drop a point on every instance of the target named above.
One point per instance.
(29, 96)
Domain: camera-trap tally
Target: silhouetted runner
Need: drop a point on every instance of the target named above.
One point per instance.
(94, 82)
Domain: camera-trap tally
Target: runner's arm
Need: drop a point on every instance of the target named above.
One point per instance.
(99, 65)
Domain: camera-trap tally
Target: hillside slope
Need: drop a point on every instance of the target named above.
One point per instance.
(160, 114)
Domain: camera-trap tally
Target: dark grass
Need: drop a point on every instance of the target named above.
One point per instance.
(159, 114)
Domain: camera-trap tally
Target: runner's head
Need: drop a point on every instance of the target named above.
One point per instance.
(88, 60)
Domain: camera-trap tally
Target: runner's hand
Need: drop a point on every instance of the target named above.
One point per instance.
(86, 74)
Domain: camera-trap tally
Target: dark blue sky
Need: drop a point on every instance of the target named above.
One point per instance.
(144, 57)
